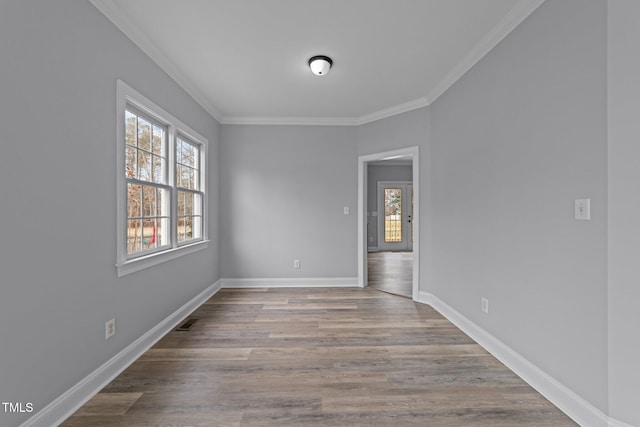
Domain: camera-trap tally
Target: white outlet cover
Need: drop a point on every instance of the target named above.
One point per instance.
(583, 209)
(346, 210)
(109, 329)
(485, 305)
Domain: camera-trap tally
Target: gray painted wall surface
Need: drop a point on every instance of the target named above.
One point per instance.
(409, 129)
(60, 62)
(514, 142)
(283, 196)
(376, 173)
(403, 130)
(624, 205)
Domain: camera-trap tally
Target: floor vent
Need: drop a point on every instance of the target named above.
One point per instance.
(187, 325)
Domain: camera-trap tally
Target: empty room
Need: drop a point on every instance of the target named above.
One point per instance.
(337, 213)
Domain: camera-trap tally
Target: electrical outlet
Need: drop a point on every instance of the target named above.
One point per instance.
(583, 209)
(296, 263)
(109, 329)
(485, 305)
(346, 210)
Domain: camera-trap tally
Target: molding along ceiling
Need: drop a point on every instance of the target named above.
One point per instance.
(245, 62)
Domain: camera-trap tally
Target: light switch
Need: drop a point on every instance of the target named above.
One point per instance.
(346, 210)
(583, 209)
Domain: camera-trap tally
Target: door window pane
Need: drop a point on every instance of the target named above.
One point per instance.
(392, 215)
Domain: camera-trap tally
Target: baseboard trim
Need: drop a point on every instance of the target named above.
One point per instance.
(616, 423)
(291, 282)
(578, 409)
(71, 400)
(373, 249)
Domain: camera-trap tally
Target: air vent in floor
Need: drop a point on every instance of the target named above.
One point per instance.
(186, 325)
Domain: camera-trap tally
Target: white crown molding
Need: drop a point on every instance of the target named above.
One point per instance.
(497, 34)
(506, 25)
(393, 111)
(124, 24)
(290, 121)
(329, 121)
(71, 400)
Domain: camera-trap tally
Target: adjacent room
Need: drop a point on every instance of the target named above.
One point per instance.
(291, 212)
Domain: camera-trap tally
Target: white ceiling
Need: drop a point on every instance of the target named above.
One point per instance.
(245, 61)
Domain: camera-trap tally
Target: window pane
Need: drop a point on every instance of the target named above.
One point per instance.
(144, 166)
(158, 169)
(178, 176)
(392, 215)
(134, 236)
(187, 157)
(149, 237)
(134, 200)
(188, 153)
(144, 134)
(181, 229)
(178, 151)
(180, 209)
(131, 162)
(149, 201)
(188, 228)
(130, 131)
(188, 204)
(196, 156)
(157, 145)
(185, 177)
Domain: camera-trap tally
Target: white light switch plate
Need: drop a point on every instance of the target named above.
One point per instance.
(583, 209)
(346, 210)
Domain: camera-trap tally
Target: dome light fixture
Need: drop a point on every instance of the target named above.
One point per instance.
(320, 64)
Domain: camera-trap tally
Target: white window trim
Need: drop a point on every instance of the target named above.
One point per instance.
(126, 95)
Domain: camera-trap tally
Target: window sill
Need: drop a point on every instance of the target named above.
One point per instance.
(141, 263)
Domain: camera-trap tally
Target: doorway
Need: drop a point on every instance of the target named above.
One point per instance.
(412, 154)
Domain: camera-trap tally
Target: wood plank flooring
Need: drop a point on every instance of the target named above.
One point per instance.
(391, 272)
(317, 357)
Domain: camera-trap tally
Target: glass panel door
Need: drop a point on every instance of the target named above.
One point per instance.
(395, 216)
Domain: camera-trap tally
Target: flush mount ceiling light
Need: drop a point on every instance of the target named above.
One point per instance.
(320, 64)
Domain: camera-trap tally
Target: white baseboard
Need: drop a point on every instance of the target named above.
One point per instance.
(566, 400)
(373, 249)
(615, 423)
(292, 282)
(70, 401)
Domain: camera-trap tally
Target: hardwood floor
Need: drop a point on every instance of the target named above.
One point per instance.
(391, 272)
(317, 357)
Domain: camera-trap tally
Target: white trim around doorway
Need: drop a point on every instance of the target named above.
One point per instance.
(363, 160)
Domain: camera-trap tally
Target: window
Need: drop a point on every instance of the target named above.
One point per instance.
(161, 184)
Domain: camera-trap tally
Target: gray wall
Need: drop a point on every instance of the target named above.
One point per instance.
(624, 205)
(514, 142)
(375, 174)
(60, 62)
(283, 196)
(403, 130)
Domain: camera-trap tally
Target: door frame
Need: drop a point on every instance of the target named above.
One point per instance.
(363, 161)
(406, 203)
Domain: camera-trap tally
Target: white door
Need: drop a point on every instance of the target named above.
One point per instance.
(395, 216)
